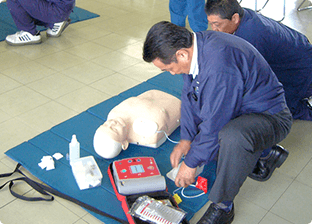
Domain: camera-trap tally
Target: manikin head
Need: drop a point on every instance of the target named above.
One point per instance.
(224, 15)
(111, 138)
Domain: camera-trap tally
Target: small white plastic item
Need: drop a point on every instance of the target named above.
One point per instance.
(172, 174)
(47, 163)
(86, 172)
(74, 149)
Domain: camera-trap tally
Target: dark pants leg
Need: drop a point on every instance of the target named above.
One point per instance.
(28, 13)
(242, 141)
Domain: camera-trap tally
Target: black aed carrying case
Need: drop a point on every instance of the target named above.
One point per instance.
(128, 200)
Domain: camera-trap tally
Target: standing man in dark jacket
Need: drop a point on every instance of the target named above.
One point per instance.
(233, 107)
(288, 52)
(27, 14)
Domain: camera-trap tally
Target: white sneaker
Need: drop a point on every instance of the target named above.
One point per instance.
(23, 38)
(58, 28)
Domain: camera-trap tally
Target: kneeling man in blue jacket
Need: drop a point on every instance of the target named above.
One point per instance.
(233, 110)
(288, 52)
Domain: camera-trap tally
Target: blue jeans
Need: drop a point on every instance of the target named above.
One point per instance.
(194, 9)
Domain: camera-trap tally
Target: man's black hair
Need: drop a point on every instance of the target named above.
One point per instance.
(163, 40)
(224, 8)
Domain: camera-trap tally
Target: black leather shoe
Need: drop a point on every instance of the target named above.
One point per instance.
(266, 166)
(216, 215)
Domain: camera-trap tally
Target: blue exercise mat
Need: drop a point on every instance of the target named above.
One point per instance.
(84, 125)
(7, 25)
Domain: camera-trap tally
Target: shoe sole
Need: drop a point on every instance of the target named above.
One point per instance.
(23, 44)
(65, 25)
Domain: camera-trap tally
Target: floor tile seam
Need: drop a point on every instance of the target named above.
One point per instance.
(85, 109)
(296, 178)
(24, 112)
(268, 212)
(93, 82)
(14, 198)
(118, 73)
(94, 58)
(115, 51)
(3, 164)
(61, 51)
(90, 59)
(2, 72)
(56, 199)
(38, 128)
(130, 67)
(7, 204)
(58, 73)
(80, 219)
(9, 117)
(54, 73)
(20, 120)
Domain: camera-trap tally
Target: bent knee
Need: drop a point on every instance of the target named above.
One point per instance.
(235, 138)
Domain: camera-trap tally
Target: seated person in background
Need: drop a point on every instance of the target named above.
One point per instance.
(52, 14)
(288, 52)
(142, 120)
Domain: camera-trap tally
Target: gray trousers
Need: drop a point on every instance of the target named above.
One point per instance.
(242, 141)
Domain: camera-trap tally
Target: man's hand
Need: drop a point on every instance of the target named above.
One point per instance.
(185, 176)
(179, 150)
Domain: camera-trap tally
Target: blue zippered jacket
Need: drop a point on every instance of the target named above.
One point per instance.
(288, 52)
(233, 79)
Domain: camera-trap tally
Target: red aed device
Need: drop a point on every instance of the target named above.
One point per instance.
(137, 175)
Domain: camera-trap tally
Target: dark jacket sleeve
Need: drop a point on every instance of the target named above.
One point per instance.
(217, 102)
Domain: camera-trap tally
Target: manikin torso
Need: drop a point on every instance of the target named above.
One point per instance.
(146, 115)
(140, 120)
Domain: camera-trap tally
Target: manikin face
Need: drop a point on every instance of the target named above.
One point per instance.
(115, 129)
(110, 138)
(182, 66)
(224, 25)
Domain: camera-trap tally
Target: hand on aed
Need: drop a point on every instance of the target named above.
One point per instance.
(185, 176)
(179, 150)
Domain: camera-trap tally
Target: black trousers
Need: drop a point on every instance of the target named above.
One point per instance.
(241, 142)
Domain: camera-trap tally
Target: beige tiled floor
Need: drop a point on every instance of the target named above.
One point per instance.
(46, 84)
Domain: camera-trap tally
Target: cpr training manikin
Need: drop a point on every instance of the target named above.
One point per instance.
(142, 120)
